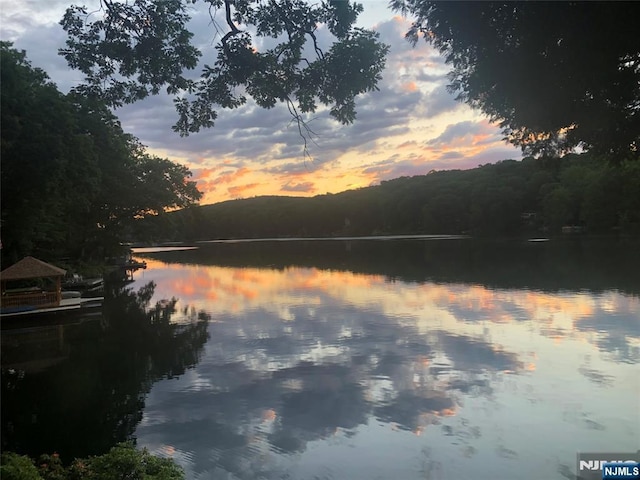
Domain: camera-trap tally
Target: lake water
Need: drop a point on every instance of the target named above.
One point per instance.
(346, 359)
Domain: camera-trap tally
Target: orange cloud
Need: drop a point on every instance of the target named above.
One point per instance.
(248, 276)
(409, 87)
(269, 415)
(184, 289)
(209, 179)
(204, 173)
(229, 177)
(239, 190)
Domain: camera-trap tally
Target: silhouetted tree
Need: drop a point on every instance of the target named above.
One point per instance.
(555, 75)
(72, 180)
(129, 50)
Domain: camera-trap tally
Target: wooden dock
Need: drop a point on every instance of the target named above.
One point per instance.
(66, 305)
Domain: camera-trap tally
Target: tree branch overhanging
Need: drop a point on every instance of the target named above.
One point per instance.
(133, 52)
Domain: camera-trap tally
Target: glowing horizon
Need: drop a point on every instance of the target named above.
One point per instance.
(411, 126)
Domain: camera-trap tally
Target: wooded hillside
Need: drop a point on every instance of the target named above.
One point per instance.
(509, 197)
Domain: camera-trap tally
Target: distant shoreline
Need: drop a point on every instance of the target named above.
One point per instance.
(367, 237)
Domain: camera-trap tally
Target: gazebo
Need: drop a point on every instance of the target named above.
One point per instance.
(26, 294)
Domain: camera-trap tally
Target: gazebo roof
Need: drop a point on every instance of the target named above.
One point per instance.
(30, 267)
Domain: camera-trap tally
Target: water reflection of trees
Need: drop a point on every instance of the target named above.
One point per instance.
(93, 395)
(575, 264)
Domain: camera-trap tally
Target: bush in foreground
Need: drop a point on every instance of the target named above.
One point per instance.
(122, 461)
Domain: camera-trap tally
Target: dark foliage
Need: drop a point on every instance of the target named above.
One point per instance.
(272, 52)
(122, 461)
(554, 74)
(115, 360)
(72, 180)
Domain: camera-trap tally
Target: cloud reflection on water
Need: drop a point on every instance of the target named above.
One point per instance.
(301, 358)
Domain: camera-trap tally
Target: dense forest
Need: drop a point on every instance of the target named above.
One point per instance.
(511, 197)
(72, 180)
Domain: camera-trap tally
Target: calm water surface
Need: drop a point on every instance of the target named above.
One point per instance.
(411, 359)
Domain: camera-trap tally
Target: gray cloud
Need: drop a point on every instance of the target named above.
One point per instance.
(438, 102)
(394, 167)
(423, 76)
(42, 52)
(451, 155)
(455, 131)
(302, 166)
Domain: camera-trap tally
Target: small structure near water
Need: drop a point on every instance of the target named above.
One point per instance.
(125, 266)
(33, 286)
(33, 283)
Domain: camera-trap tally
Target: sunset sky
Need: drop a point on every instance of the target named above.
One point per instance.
(409, 127)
